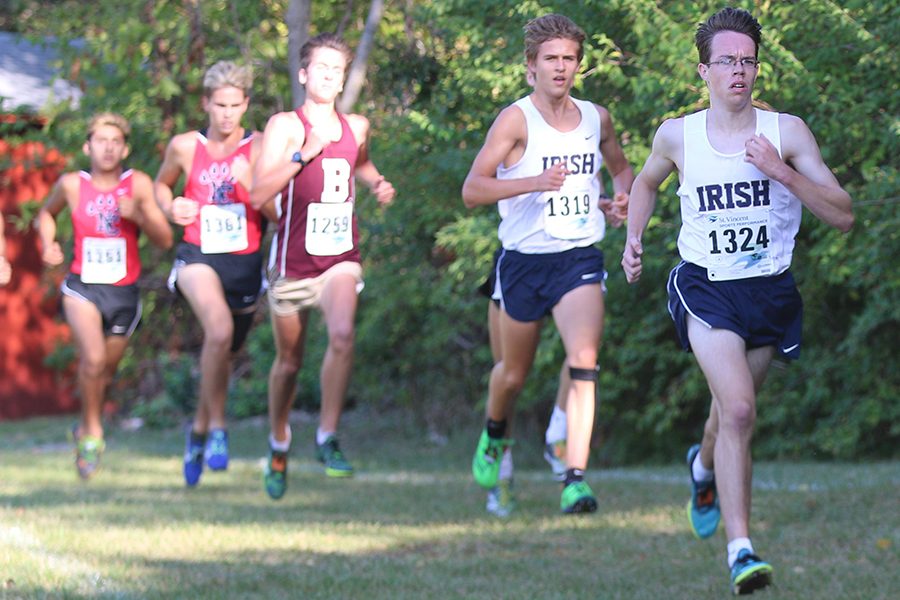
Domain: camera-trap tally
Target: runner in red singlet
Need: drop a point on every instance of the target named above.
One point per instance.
(101, 300)
(218, 265)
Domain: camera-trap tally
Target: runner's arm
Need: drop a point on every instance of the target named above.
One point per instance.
(150, 217)
(272, 171)
(482, 187)
(51, 252)
(642, 199)
(803, 172)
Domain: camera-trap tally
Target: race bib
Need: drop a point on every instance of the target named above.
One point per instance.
(103, 260)
(329, 229)
(223, 228)
(570, 214)
(737, 245)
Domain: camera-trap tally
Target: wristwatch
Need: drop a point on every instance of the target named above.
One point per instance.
(298, 159)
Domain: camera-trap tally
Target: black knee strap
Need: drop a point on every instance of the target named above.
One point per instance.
(584, 374)
(242, 323)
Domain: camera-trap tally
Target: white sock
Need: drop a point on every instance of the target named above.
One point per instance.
(321, 435)
(735, 546)
(281, 446)
(700, 472)
(506, 465)
(557, 429)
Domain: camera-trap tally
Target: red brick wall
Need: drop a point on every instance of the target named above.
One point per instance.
(30, 326)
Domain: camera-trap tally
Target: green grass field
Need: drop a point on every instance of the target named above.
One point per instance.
(412, 524)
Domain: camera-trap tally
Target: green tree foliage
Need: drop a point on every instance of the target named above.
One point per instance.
(439, 73)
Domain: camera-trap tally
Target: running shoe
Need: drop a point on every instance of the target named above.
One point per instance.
(331, 456)
(577, 497)
(275, 475)
(216, 453)
(749, 573)
(193, 458)
(486, 462)
(555, 455)
(88, 449)
(500, 501)
(703, 507)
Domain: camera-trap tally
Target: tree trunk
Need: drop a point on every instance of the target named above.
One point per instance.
(297, 21)
(357, 75)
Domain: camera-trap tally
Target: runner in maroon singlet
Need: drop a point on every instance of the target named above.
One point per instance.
(311, 155)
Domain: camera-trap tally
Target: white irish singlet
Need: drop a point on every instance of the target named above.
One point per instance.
(547, 222)
(735, 221)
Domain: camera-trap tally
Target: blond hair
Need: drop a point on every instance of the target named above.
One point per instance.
(551, 27)
(227, 74)
(108, 118)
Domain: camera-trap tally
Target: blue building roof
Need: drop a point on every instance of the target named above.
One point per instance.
(27, 76)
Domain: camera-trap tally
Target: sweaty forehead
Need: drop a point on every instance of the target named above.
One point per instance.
(732, 43)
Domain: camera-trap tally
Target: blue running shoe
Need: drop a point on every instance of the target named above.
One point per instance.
(193, 457)
(216, 453)
(749, 573)
(703, 507)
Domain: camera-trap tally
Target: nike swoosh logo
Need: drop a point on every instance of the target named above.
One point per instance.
(590, 275)
(786, 350)
(587, 137)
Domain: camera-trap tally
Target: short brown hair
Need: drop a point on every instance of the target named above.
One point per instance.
(727, 19)
(324, 40)
(551, 27)
(108, 118)
(227, 74)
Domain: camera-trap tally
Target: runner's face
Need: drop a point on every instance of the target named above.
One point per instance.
(106, 148)
(555, 66)
(324, 77)
(730, 84)
(225, 107)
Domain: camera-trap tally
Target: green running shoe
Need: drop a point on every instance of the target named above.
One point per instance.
(275, 475)
(749, 573)
(703, 507)
(88, 450)
(500, 501)
(577, 497)
(331, 456)
(486, 462)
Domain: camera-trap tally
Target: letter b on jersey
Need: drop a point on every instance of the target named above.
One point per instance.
(336, 182)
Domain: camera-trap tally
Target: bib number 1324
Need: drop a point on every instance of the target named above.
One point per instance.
(737, 245)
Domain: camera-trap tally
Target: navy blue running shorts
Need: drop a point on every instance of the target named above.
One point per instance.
(531, 285)
(241, 274)
(764, 311)
(119, 305)
(488, 288)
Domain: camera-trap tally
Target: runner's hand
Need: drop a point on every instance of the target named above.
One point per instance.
(5, 271)
(384, 191)
(184, 210)
(128, 208)
(631, 259)
(552, 179)
(52, 255)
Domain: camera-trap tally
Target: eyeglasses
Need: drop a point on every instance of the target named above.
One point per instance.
(748, 62)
